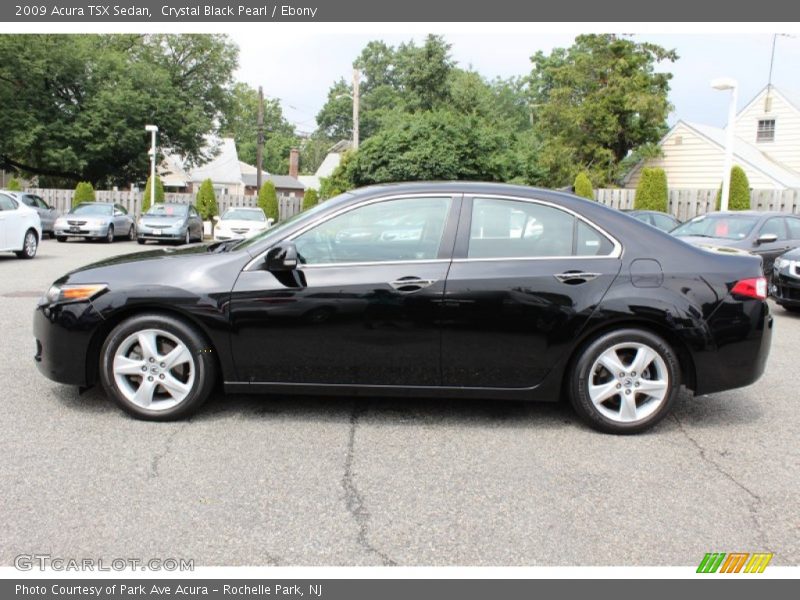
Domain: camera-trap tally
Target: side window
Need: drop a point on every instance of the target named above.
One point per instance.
(774, 225)
(401, 229)
(40, 203)
(192, 211)
(28, 201)
(6, 203)
(794, 228)
(663, 222)
(120, 209)
(517, 229)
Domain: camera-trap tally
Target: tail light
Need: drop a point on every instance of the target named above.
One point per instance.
(755, 287)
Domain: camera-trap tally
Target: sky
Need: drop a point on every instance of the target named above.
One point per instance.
(298, 66)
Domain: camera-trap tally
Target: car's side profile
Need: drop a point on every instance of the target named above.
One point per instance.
(170, 222)
(20, 227)
(47, 214)
(428, 289)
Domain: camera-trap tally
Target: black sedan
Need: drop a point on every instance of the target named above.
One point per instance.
(762, 233)
(785, 286)
(490, 291)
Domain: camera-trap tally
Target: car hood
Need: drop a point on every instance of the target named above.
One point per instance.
(792, 254)
(166, 220)
(242, 224)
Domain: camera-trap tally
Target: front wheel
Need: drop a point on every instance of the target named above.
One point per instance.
(110, 234)
(157, 368)
(625, 381)
(29, 245)
(132, 233)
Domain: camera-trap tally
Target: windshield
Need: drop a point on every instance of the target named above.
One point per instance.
(725, 227)
(244, 215)
(168, 210)
(307, 214)
(92, 209)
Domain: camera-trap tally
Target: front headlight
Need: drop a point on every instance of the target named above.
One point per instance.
(781, 262)
(74, 292)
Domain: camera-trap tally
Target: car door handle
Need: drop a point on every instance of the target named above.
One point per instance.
(410, 284)
(576, 277)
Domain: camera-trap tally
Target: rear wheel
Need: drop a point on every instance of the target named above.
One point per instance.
(625, 381)
(30, 244)
(157, 368)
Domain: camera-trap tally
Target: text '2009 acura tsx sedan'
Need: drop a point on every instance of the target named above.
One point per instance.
(464, 290)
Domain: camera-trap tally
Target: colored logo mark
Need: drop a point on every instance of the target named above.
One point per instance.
(734, 562)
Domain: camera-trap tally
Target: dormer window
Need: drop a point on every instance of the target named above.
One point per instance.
(766, 130)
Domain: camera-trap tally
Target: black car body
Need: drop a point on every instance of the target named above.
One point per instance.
(767, 234)
(785, 284)
(659, 220)
(493, 291)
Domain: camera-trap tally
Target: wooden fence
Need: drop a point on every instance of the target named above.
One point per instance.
(688, 203)
(132, 201)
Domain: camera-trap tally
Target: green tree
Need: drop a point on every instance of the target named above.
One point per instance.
(268, 200)
(206, 201)
(84, 192)
(14, 185)
(596, 101)
(339, 181)
(148, 193)
(310, 198)
(75, 106)
(739, 198)
(583, 186)
(652, 192)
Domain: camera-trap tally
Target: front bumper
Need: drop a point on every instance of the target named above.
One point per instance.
(144, 232)
(81, 231)
(63, 334)
(785, 286)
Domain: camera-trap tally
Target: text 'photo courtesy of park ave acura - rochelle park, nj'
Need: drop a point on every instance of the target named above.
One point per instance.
(397, 296)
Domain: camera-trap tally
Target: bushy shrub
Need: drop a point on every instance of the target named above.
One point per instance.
(147, 193)
(652, 192)
(84, 192)
(14, 185)
(268, 200)
(206, 201)
(583, 186)
(739, 198)
(310, 198)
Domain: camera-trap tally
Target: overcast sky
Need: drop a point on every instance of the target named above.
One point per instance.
(299, 66)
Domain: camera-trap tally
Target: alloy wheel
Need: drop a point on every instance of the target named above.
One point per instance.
(154, 369)
(30, 244)
(628, 382)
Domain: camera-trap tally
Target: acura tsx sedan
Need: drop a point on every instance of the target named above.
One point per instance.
(466, 290)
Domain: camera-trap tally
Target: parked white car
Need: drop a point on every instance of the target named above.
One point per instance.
(240, 223)
(20, 228)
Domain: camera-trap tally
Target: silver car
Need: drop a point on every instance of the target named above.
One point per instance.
(96, 220)
(172, 222)
(47, 213)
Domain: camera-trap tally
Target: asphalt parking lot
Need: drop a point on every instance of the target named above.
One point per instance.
(320, 481)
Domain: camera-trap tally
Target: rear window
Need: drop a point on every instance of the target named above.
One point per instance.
(517, 229)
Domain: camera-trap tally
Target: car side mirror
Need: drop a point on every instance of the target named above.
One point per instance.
(281, 258)
(767, 238)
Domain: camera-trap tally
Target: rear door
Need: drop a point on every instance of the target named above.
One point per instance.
(526, 275)
(769, 251)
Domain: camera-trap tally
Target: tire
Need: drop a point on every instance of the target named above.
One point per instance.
(61, 238)
(189, 381)
(187, 239)
(109, 239)
(140, 242)
(30, 244)
(611, 410)
(132, 233)
(792, 309)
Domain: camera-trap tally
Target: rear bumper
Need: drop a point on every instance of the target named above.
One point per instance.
(63, 336)
(741, 336)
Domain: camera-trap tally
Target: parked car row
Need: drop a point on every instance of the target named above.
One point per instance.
(20, 226)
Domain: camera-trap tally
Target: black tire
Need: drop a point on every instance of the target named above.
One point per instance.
(581, 376)
(109, 239)
(132, 233)
(61, 238)
(205, 369)
(140, 241)
(30, 244)
(187, 239)
(792, 309)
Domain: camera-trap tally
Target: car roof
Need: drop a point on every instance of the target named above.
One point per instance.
(243, 208)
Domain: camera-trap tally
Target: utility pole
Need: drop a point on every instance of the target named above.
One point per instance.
(356, 82)
(260, 141)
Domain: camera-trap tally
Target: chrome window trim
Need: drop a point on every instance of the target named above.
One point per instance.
(430, 261)
(616, 252)
(450, 196)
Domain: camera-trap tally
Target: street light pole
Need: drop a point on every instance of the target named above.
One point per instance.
(356, 108)
(726, 83)
(153, 129)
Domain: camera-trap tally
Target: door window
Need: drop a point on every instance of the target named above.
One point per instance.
(40, 203)
(29, 201)
(404, 229)
(774, 226)
(794, 228)
(517, 229)
(6, 203)
(664, 222)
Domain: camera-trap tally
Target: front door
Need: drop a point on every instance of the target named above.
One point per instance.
(525, 278)
(363, 306)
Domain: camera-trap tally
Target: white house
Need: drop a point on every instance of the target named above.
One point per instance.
(223, 170)
(766, 146)
(327, 166)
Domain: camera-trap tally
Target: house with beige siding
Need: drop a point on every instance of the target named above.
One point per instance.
(766, 146)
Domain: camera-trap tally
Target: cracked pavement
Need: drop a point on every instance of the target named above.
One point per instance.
(343, 481)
